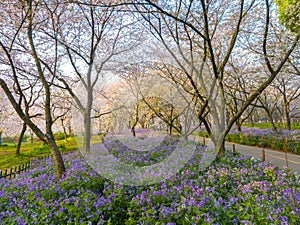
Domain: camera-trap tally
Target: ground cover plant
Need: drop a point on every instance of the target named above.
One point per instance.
(233, 190)
(30, 151)
(286, 139)
(265, 138)
(268, 125)
(141, 158)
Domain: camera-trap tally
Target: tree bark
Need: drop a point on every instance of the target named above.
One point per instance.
(133, 127)
(221, 149)
(274, 128)
(57, 158)
(87, 114)
(287, 116)
(70, 130)
(251, 121)
(48, 136)
(64, 129)
(18, 149)
(238, 126)
(170, 129)
(133, 131)
(87, 133)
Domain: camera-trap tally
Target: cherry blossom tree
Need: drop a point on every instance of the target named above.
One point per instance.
(29, 63)
(288, 86)
(91, 40)
(203, 36)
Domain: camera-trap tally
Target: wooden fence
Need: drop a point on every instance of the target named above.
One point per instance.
(12, 172)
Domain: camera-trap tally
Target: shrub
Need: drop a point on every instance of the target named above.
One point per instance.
(265, 138)
(59, 136)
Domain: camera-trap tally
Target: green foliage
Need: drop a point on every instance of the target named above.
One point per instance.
(268, 125)
(62, 147)
(29, 150)
(42, 149)
(9, 139)
(261, 141)
(263, 138)
(59, 136)
(289, 14)
(25, 137)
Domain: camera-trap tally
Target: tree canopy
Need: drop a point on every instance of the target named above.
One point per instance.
(289, 14)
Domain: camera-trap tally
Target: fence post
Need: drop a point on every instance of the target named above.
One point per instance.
(15, 172)
(263, 155)
(233, 148)
(10, 172)
(204, 141)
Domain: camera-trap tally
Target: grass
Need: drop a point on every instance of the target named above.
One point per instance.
(29, 151)
(8, 158)
(268, 125)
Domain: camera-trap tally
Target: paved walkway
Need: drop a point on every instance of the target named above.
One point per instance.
(276, 157)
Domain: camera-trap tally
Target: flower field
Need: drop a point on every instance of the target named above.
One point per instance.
(233, 190)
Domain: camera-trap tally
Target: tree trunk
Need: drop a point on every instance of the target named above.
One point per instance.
(283, 122)
(70, 130)
(170, 129)
(288, 123)
(133, 131)
(287, 116)
(221, 149)
(64, 129)
(134, 125)
(87, 133)
(48, 136)
(288, 120)
(21, 139)
(31, 138)
(57, 158)
(238, 126)
(252, 121)
(87, 117)
(274, 128)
